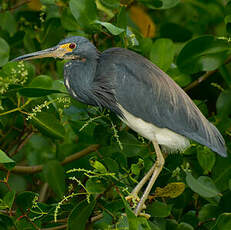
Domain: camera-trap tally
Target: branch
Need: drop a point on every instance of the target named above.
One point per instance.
(204, 77)
(82, 153)
(39, 168)
(16, 6)
(56, 228)
(24, 141)
(96, 218)
(43, 193)
(199, 80)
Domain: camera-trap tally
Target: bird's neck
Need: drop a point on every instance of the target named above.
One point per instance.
(78, 78)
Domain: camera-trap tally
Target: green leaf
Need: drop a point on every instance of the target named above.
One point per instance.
(98, 165)
(68, 21)
(162, 53)
(96, 185)
(37, 92)
(110, 27)
(190, 218)
(29, 41)
(227, 18)
(4, 158)
(24, 200)
(84, 11)
(15, 70)
(132, 219)
(206, 158)
(3, 205)
(224, 103)
(49, 125)
(184, 226)
(131, 222)
(8, 199)
(4, 52)
(175, 32)
(144, 224)
(111, 4)
(225, 74)
(17, 183)
(42, 82)
(6, 223)
(162, 4)
(223, 222)
(123, 222)
(171, 224)
(47, 1)
(208, 211)
(204, 185)
(205, 53)
(135, 168)
(179, 77)
(111, 164)
(159, 209)
(80, 214)
(55, 176)
(131, 146)
(8, 22)
(222, 173)
(171, 190)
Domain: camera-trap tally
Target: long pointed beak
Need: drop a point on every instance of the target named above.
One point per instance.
(55, 51)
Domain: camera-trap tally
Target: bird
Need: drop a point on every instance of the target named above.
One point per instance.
(143, 96)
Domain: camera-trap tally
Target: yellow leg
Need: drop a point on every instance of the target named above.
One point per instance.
(138, 187)
(155, 170)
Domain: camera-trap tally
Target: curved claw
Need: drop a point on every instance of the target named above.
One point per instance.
(133, 200)
(145, 215)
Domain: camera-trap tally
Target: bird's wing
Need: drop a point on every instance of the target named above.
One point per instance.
(148, 93)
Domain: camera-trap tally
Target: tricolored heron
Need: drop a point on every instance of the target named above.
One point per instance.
(142, 96)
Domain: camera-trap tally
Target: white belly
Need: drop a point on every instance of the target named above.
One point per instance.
(165, 137)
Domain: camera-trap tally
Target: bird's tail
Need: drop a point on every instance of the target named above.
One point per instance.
(216, 141)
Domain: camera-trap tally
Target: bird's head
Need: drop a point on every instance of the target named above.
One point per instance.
(70, 48)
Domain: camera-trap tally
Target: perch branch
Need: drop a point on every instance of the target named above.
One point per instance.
(204, 77)
(25, 140)
(56, 228)
(16, 6)
(43, 193)
(38, 168)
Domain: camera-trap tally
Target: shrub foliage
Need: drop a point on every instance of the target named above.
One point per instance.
(66, 165)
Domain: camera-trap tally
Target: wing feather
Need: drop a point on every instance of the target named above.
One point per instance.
(148, 93)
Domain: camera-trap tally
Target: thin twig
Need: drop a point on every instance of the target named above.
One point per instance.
(199, 80)
(43, 193)
(59, 221)
(204, 77)
(16, 109)
(56, 228)
(96, 218)
(16, 6)
(38, 168)
(206, 221)
(24, 141)
(25, 215)
(82, 153)
(7, 212)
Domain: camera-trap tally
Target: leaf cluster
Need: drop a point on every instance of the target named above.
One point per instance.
(66, 165)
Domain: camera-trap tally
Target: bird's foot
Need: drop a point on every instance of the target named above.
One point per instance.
(134, 200)
(145, 215)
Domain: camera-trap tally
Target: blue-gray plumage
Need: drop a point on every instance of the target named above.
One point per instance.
(119, 76)
(141, 94)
